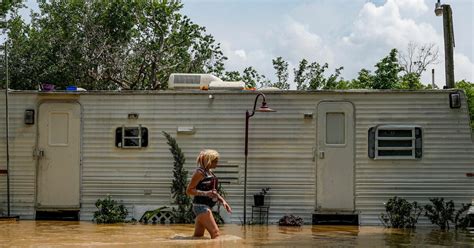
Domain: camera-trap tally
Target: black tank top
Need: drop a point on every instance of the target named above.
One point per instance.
(209, 182)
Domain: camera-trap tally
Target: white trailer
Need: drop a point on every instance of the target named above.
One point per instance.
(322, 151)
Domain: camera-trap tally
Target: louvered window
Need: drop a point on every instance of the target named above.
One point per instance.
(395, 142)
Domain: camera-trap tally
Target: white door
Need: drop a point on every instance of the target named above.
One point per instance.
(58, 154)
(335, 157)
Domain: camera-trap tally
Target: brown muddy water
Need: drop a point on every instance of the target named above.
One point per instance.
(86, 234)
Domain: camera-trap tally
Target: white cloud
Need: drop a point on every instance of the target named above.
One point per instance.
(296, 41)
(463, 67)
(241, 53)
(412, 7)
(384, 25)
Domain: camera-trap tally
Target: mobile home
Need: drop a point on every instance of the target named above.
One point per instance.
(320, 152)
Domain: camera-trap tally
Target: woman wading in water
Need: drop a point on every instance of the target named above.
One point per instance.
(203, 187)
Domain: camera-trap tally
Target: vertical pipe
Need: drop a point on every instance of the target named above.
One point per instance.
(7, 129)
(433, 78)
(448, 45)
(247, 116)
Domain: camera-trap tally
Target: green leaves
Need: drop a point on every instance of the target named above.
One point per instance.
(400, 213)
(442, 213)
(107, 45)
(109, 211)
(183, 214)
(468, 88)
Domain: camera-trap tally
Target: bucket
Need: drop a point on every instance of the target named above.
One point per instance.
(47, 87)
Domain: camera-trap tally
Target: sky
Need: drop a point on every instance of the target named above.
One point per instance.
(354, 34)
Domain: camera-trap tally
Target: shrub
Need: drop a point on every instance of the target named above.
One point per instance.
(109, 211)
(400, 213)
(461, 219)
(440, 212)
(183, 214)
(290, 220)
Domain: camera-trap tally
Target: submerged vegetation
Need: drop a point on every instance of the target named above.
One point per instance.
(110, 211)
(442, 213)
(290, 220)
(400, 213)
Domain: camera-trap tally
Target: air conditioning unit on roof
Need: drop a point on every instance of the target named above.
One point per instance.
(191, 81)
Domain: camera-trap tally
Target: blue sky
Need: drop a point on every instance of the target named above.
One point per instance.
(351, 33)
(354, 34)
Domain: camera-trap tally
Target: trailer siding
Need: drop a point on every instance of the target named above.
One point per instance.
(280, 149)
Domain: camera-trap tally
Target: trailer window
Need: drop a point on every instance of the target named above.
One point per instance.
(395, 142)
(131, 137)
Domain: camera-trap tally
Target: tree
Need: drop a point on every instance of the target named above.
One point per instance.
(249, 75)
(8, 5)
(281, 68)
(365, 80)
(184, 212)
(311, 76)
(386, 74)
(110, 45)
(300, 75)
(251, 78)
(468, 88)
(410, 81)
(418, 57)
(232, 76)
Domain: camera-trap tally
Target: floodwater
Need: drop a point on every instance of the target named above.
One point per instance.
(25, 233)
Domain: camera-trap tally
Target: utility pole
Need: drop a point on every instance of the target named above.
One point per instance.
(447, 13)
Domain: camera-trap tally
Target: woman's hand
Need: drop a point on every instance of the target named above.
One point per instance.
(227, 207)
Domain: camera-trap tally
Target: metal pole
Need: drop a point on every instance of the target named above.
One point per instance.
(6, 130)
(247, 116)
(448, 45)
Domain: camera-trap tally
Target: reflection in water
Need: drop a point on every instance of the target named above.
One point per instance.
(87, 234)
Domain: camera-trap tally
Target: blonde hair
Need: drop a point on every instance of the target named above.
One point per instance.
(206, 157)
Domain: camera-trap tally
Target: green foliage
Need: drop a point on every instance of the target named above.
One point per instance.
(109, 211)
(461, 219)
(468, 88)
(249, 75)
(9, 5)
(281, 68)
(400, 213)
(365, 80)
(440, 212)
(109, 45)
(184, 213)
(410, 81)
(311, 76)
(386, 74)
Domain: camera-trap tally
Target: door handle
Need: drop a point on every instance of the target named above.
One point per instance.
(38, 153)
(321, 154)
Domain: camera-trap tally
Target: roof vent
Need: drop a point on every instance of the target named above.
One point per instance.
(191, 81)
